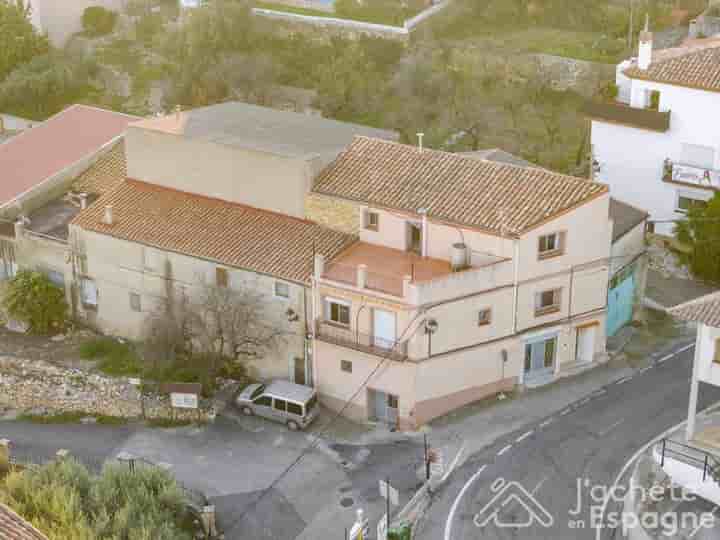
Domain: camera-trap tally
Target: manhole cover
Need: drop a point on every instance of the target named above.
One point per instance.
(347, 502)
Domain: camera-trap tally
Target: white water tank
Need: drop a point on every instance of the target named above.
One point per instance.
(459, 256)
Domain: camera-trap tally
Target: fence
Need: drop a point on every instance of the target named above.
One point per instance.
(690, 455)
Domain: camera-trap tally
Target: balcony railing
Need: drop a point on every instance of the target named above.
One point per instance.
(345, 337)
(691, 174)
(360, 276)
(619, 113)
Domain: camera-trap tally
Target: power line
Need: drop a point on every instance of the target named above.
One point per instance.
(311, 446)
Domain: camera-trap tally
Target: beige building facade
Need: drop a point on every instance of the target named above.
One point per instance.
(423, 314)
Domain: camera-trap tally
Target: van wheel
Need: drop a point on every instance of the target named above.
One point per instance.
(247, 411)
(293, 425)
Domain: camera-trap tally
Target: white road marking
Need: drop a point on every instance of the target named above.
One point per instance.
(501, 452)
(643, 370)
(665, 358)
(547, 422)
(685, 348)
(456, 503)
(610, 428)
(566, 411)
(524, 436)
(701, 525)
(624, 380)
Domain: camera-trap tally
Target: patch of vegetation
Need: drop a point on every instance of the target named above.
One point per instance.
(19, 39)
(114, 358)
(106, 420)
(32, 298)
(98, 21)
(65, 501)
(700, 233)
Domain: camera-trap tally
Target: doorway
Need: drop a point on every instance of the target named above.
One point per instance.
(585, 345)
(299, 371)
(383, 329)
(540, 361)
(414, 238)
(383, 407)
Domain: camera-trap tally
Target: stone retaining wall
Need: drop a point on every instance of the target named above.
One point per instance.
(38, 386)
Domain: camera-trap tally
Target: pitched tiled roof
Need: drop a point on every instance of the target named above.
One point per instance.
(13, 527)
(705, 309)
(695, 69)
(228, 233)
(106, 174)
(495, 197)
(63, 140)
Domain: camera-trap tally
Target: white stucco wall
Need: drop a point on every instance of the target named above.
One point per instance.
(709, 371)
(631, 159)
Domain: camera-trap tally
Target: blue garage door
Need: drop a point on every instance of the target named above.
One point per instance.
(621, 298)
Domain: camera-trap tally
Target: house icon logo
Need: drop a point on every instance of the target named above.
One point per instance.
(511, 494)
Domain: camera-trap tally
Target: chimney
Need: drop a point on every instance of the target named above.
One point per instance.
(645, 47)
(178, 112)
(108, 215)
(420, 141)
(83, 201)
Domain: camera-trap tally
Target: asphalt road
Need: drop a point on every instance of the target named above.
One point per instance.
(588, 442)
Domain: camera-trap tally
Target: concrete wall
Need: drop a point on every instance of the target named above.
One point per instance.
(62, 18)
(631, 159)
(120, 267)
(233, 174)
(709, 371)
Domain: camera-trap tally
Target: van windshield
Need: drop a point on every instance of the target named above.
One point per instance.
(310, 405)
(259, 390)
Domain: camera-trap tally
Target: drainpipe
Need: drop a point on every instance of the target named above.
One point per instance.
(516, 279)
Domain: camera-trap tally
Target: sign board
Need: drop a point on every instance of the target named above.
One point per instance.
(184, 401)
(387, 490)
(134, 381)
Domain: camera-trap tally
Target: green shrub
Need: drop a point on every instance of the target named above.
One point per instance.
(32, 298)
(65, 501)
(98, 21)
(115, 358)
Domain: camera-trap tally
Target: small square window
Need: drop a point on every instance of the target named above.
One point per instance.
(372, 220)
(346, 366)
(221, 277)
(483, 317)
(547, 302)
(135, 302)
(282, 290)
(551, 245)
(338, 312)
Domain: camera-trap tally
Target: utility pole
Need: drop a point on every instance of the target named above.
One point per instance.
(387, 505)
(427, 458)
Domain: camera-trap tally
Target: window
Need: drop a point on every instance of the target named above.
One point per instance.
(88, 293)
(279, 404)
(346, 366)
(338, 312)
(547, 302)
(282, 290)
(551, 245)
(372, 220)
(221, 277)
(653, 100)
(294, 408)
(685, 204)
(550, 352)
(716, 356)
(483, 317)
(56, 278)
(135, 303)
(264, 401)
(258, 391)
(392, 401)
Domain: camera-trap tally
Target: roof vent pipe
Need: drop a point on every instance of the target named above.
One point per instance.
(420, 141)
(83, 201)
(645, 47)
(108, 215)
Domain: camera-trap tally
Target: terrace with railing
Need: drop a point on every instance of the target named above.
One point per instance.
(346, 337)
(684, 173)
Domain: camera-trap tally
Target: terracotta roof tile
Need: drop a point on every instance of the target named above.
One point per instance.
(228, 233)
(695, 69)
(705, 309)
(13, 527)
(50, 147)
(495, 197)
(106, 174)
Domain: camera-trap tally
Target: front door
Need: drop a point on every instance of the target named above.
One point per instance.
(299, 376)
(414, 238)
(383, 329)
(585, 345)
(383, 407)
(540, 360)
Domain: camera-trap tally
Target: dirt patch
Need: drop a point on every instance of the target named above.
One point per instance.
(62, 350)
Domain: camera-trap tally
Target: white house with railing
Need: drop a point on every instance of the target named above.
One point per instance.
(469, 278)
(657, 144)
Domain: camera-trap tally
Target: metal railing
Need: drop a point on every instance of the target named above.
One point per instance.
(361, 342)
(691, 455)
(690, 174)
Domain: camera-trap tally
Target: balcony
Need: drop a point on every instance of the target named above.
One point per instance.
(619, 113)
(345, 337)
(691, 175)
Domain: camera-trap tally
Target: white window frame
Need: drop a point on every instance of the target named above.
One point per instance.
(131, 296)
(275, 290)
(687, 195)
(89, 300)
(328, 310)
(550, 308)
(558, 249)
(486, 321)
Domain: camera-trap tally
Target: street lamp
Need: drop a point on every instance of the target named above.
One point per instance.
(431, 326)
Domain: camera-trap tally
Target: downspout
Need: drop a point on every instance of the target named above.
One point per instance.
(516, 279)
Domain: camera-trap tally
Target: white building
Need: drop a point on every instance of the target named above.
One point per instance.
(658, 143)
(62, 18)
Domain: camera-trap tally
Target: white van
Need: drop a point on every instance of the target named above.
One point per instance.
(282, 401)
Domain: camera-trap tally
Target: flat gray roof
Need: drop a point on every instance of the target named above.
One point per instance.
(625, 218)
(285, 133)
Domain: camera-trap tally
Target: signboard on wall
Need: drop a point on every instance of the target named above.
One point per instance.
(183, 401)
